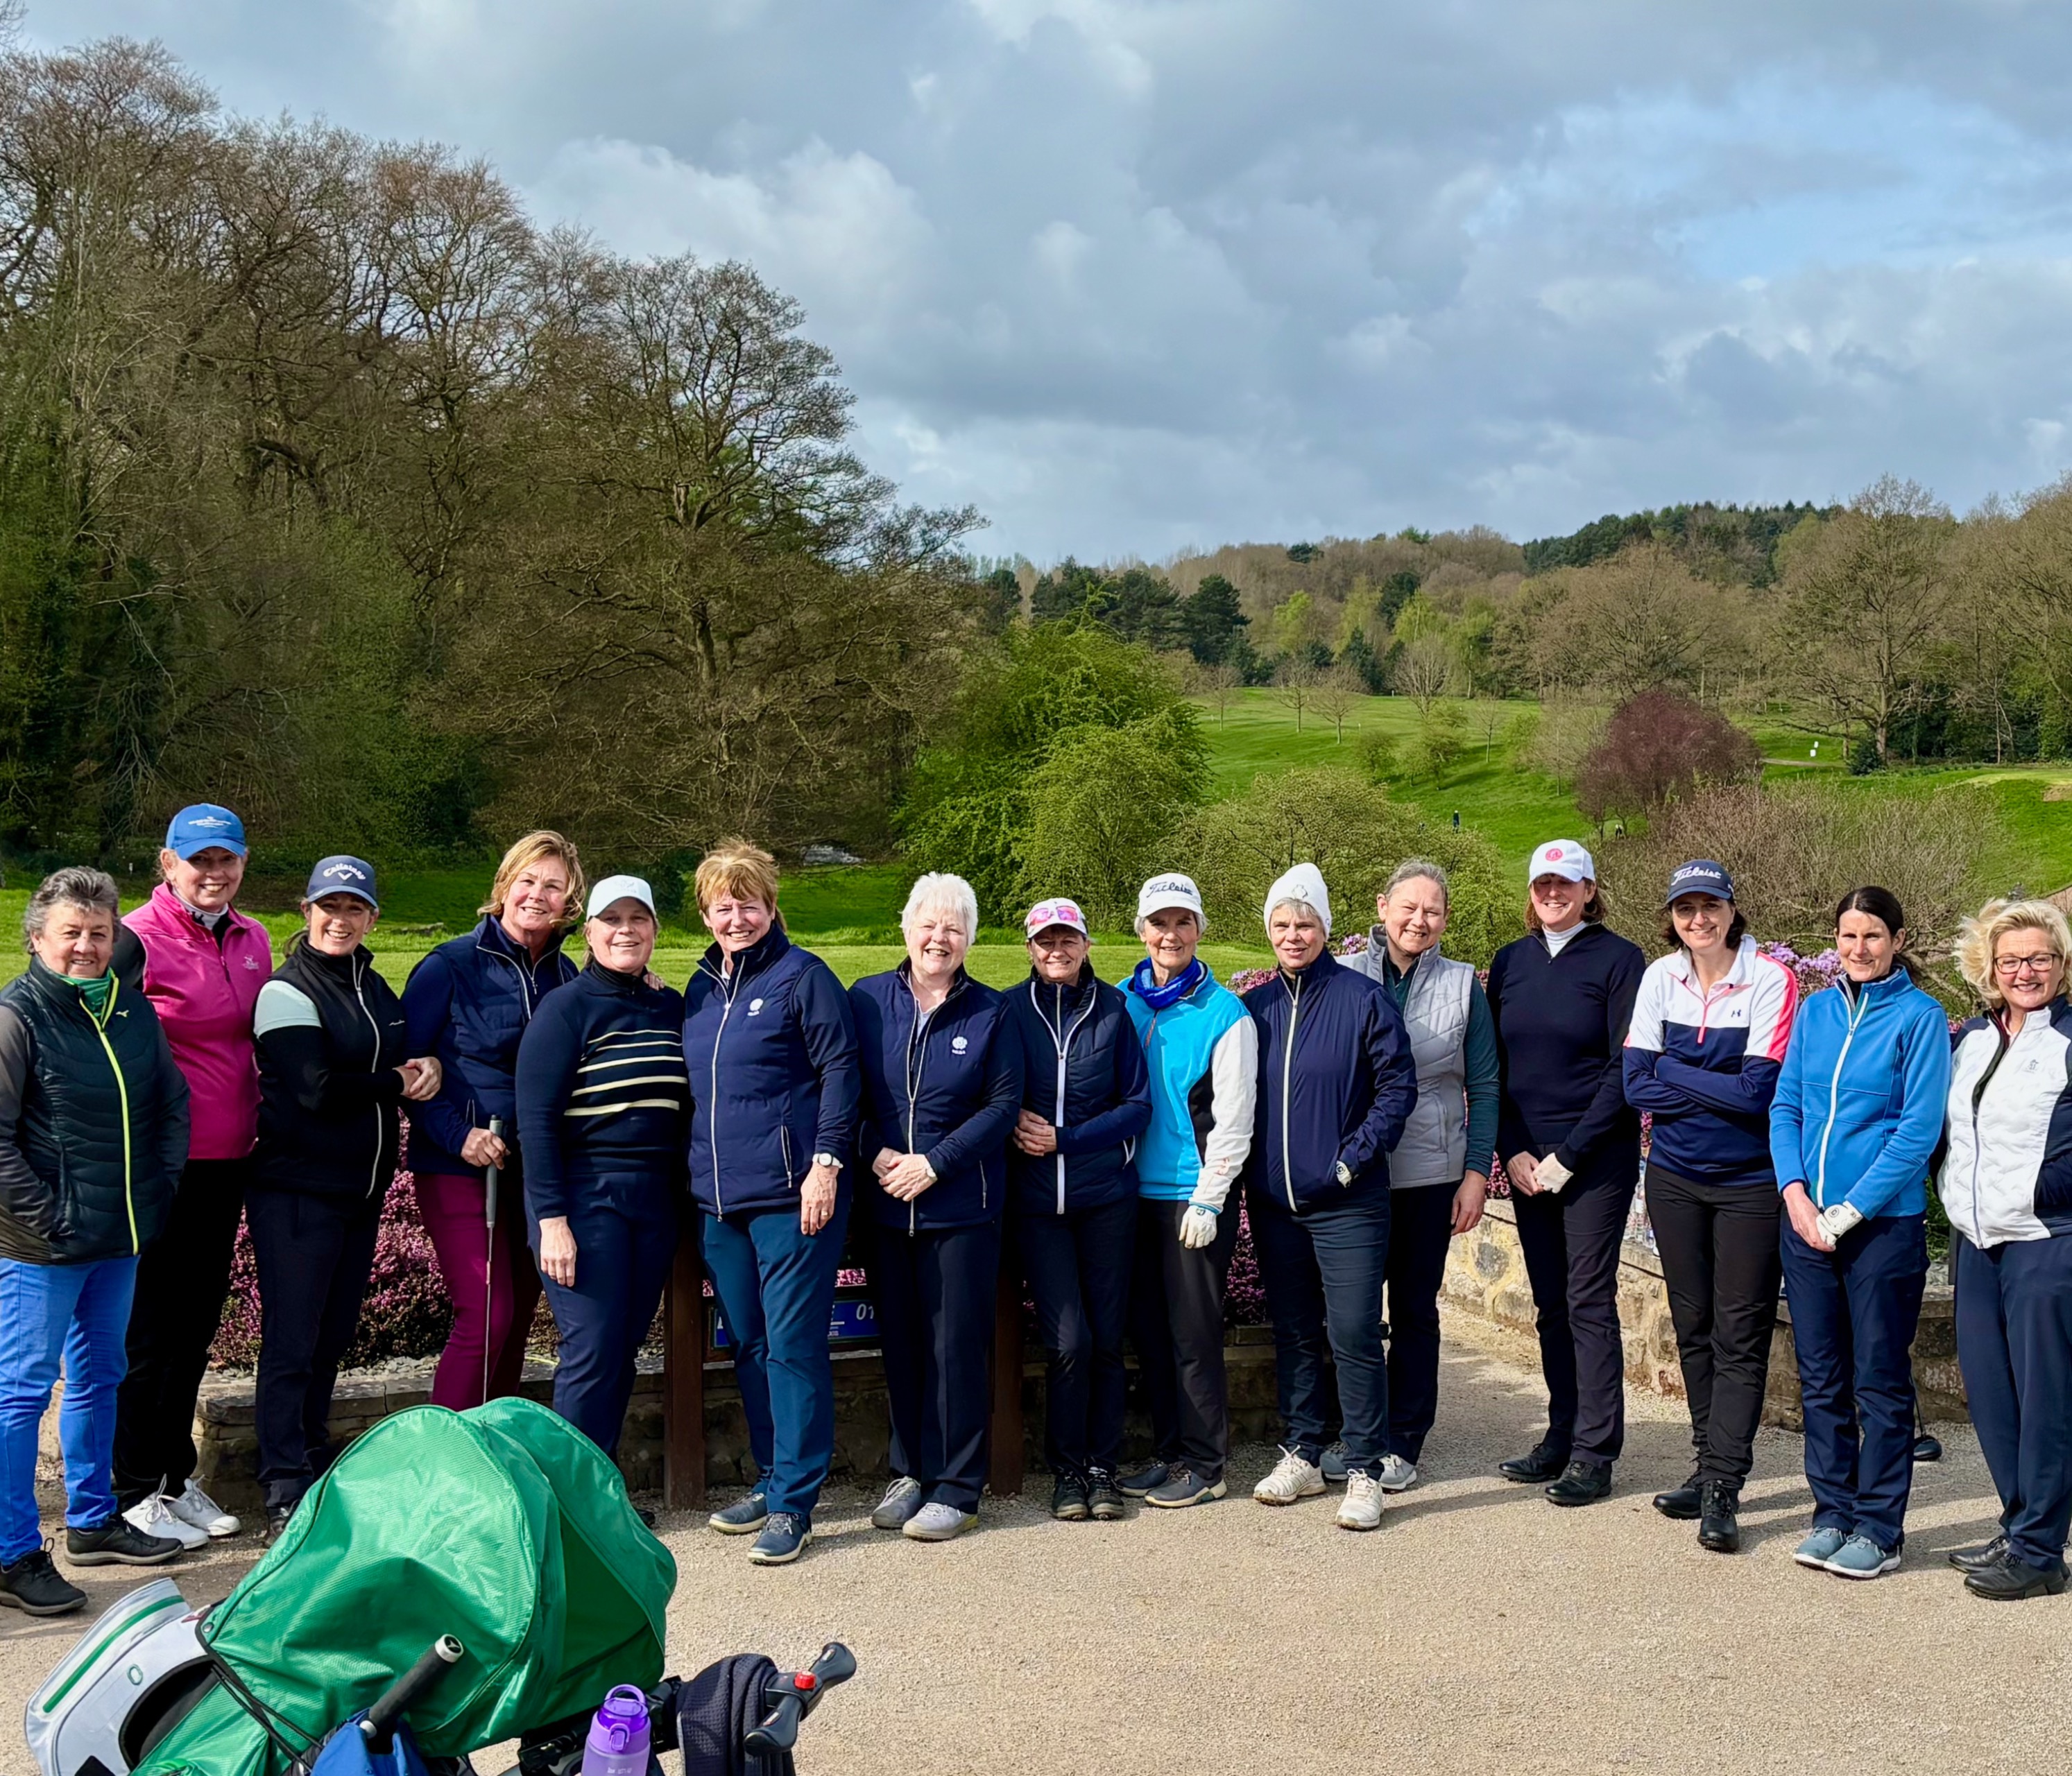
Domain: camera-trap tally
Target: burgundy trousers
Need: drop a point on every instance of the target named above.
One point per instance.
(494, 1289)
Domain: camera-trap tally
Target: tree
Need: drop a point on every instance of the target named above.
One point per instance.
(1218, 686)
(1659, 745)
(1212, 620)
(1377, 754)
(1358, 658)
(1442, 739)
(1352, 831)
(1139, 606)
(1061, 594)
(997, 595)
(1294, 623)
(1864, 597)
(1426, 673)
(1489, 721)
(1102, 810)
(1336, 695)
(1295, 685)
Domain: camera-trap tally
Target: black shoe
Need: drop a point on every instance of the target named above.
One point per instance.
(2008, 1579)
(1719, 1526)
(1068, 1499)
(1971, 1560)
(1133, 1482)
(1581, 1483)
(118, 1542)
(277, 1521)
(1681, 1504)
(647, 1517)
(33, 1585)
(1103, 1497)
(1545, 1463)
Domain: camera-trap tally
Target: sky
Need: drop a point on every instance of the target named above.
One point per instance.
(1137, 277)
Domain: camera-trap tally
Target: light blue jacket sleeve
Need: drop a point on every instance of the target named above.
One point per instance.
(1924, 1097)
(1787, 1109)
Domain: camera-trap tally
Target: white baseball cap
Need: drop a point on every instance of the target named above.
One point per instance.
(1046, 913)
(1164, 893)
(619, 887)
(1561, 857)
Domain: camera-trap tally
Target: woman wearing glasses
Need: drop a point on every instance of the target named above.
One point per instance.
(2006, 1185)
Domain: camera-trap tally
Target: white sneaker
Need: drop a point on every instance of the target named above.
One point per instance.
(937, 1523)
(195, 1507)
(154, 1517)
(1292, 1478)
(1397, 1475)
(1362, 1505)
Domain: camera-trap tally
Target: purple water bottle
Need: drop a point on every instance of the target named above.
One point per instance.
(618, 1742)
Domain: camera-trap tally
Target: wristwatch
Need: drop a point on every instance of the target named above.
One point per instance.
(828, 1159)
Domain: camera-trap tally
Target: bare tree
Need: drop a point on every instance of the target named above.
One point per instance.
(1218, 686)
(1490, 719)
(1336, 695)
(1426, 673)
(1295, 686)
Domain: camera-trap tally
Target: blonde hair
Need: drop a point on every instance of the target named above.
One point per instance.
(1981, 935)
(536, 848)
(734, 867)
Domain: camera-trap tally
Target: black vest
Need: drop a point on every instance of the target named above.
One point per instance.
(93, 1121)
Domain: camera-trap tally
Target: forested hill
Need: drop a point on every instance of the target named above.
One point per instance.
(1716, 542)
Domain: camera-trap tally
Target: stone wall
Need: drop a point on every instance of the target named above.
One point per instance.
(1486, 1277)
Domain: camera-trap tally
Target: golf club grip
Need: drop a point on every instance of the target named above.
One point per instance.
(397, 1700)
(491, 1177)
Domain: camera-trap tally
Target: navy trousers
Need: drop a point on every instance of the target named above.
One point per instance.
(1854, 1311)
(1324, 1271)
(776, 1287)
(314, 1255)
(934, 1292)
(1176, 1309)
(1570, 1240)
(1419, 1231)
(1077, 1265)
(2014, 1345)
(623, 1263)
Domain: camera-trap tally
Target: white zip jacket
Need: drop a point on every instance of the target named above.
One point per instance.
(2008, 1174)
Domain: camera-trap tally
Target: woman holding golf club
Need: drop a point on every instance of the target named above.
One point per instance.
(469, 1002)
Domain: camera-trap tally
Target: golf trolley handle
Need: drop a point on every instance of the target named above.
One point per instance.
(791, 1696)
(398, 1699)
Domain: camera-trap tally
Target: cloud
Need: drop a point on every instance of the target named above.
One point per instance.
(1135, 276)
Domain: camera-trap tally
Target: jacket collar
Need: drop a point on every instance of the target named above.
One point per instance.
(905, 971)
(491, 935)
(1317, 972)
(49, 984)
(1082, 987)
(347, 969)
(759, 956)
(1742, 974)
(612, 981)
(1891, 986)
(175, 916)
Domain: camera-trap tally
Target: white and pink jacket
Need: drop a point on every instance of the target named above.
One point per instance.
(204, 994)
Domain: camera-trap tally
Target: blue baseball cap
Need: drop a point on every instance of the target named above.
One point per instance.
(342, 875)
(1701, 876)
(203, 827)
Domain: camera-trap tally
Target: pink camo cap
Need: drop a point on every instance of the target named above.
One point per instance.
(1046, 913)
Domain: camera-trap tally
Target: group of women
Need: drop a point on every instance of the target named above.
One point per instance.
(159, 1077)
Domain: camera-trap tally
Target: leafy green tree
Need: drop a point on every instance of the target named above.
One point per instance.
(998, 600)
(1354, 832)
(1358, 658)
(1102, 809)
(1139, 605)
(1061, 594)
(1442, 737)
(1213, 621)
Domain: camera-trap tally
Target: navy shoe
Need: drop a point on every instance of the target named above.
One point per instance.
(1332, 1462)
(785, 1534)
(1133, 1482)
(742, 1517)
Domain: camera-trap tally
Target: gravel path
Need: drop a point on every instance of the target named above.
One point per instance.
(1480, 1629)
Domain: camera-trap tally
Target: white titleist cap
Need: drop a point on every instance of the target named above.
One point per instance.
(1164, 893)
(1561, 857)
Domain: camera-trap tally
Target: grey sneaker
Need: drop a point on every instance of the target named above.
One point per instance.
(1134, 1483)
(1861, 1558)
(742, 1517)
(1333, 1465)
(1183, 1486)
(938, 1522)
(1819, 1548)
(902, 1499)
(1397, 1475)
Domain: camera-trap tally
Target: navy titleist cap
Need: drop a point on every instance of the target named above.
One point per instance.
(342, 875)
(1701, 876)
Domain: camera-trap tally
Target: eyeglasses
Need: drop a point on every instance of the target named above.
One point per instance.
(2014, 964)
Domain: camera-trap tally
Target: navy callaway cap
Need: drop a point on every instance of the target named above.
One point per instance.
(204, 827)
(1701, 876)
(342, 875)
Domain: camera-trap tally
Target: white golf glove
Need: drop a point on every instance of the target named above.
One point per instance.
(1836, 1221)
(1198, 1227)
(1551, 1175)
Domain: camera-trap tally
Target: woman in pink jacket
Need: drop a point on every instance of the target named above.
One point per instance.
(203, 963)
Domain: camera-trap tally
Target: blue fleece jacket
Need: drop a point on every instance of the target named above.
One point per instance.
(771, 1049)
(1861, 1098)
(468, 1003)
(946, 1086)
(1336, 1085)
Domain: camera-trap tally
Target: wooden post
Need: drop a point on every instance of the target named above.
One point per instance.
(684, 1383)
(1006, 1434)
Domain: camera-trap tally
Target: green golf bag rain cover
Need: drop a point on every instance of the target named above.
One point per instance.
(503, 1527)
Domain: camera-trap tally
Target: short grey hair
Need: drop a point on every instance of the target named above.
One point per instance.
(1415, 869)
(93, 890)
(936, 892)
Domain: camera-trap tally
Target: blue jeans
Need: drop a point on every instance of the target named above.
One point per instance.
(2014, 1345)
(776, 1287)
(1854, 1311)
(1323, 1271)
(78, 1313)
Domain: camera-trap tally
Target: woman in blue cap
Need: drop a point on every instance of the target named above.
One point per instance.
(333, 1068)
(1710, 1028)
